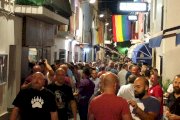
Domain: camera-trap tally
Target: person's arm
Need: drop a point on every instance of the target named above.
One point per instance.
(126, 117)
(54, 116)
(49, 68)
(14, 114)
(90, 114)
(74, 108)
(26, 85)
(173, 117)
(141, 114)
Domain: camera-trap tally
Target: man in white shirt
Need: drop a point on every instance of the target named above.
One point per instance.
(95, 79)
(127, 91)
(122, 74)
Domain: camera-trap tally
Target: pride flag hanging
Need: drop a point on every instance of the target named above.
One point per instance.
(121, 28)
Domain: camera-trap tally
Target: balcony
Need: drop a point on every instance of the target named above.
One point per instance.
(54, 11)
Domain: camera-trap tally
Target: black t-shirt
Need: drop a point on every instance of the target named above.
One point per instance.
(64, 95)
(35, 105)
(173, 104)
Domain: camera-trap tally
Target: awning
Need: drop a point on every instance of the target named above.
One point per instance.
(177, 39)
(156, 39)
(142, 53)
(155, 42)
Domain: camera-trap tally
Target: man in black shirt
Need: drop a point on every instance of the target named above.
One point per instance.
(173, 101)
(64, 95)
(35, 103)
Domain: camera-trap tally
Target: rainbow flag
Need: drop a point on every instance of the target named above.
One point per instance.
(121, 28)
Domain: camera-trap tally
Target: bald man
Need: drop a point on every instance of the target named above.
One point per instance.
(108, 106)
(64, 95)
(27, 82)
(35, 103)
(151, 106)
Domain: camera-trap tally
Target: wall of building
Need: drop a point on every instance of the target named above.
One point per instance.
(168, 49)
(10, 37)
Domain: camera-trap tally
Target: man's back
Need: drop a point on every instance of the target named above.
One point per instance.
(126, 92)
(122, 76)
(108, 107)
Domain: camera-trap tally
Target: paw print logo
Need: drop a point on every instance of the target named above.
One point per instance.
(37, 102)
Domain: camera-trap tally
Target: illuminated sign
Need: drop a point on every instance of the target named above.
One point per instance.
(133, 6)
(133, 17)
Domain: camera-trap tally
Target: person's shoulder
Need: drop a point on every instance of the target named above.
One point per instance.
(171, 96)
(152, 99)
(158, 88)
(52, 85)
(26, 90)
(65, 86)
(48, 91)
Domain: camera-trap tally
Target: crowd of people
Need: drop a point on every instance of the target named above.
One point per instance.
(95, 91)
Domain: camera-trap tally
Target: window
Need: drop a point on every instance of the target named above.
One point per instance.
(62, 55)
(3, 69)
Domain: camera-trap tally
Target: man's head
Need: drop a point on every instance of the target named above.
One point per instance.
(155, 71)
(125, 66)
(132, 78)
(64, 67)
(141, 86)
(110, 82)
(143, 68)
(176, 84)
(37, 68)
(111, 64)
(60, 76)
(94, 73)
(86, 72)
(153, 79)
(38, 81)
(135, 70)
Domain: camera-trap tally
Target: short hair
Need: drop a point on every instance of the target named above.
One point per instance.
(125, 65)
(147, 73)
(130, 67)
(86, 71)
(132, 78)
(38, 74)
(178, 76)
(146, 82)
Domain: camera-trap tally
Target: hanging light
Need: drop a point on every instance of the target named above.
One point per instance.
(106, 23)
(101, 15)
(92, 1)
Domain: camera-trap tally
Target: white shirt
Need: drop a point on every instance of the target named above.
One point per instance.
(96, 82)
(126, 92)
(122, 76)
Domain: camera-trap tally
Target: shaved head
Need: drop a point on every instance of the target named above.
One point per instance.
(60, 76)
(37, 68)
(38, 80)
(110, 82)
(64, 67)
(141, 86)
(110, 78)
